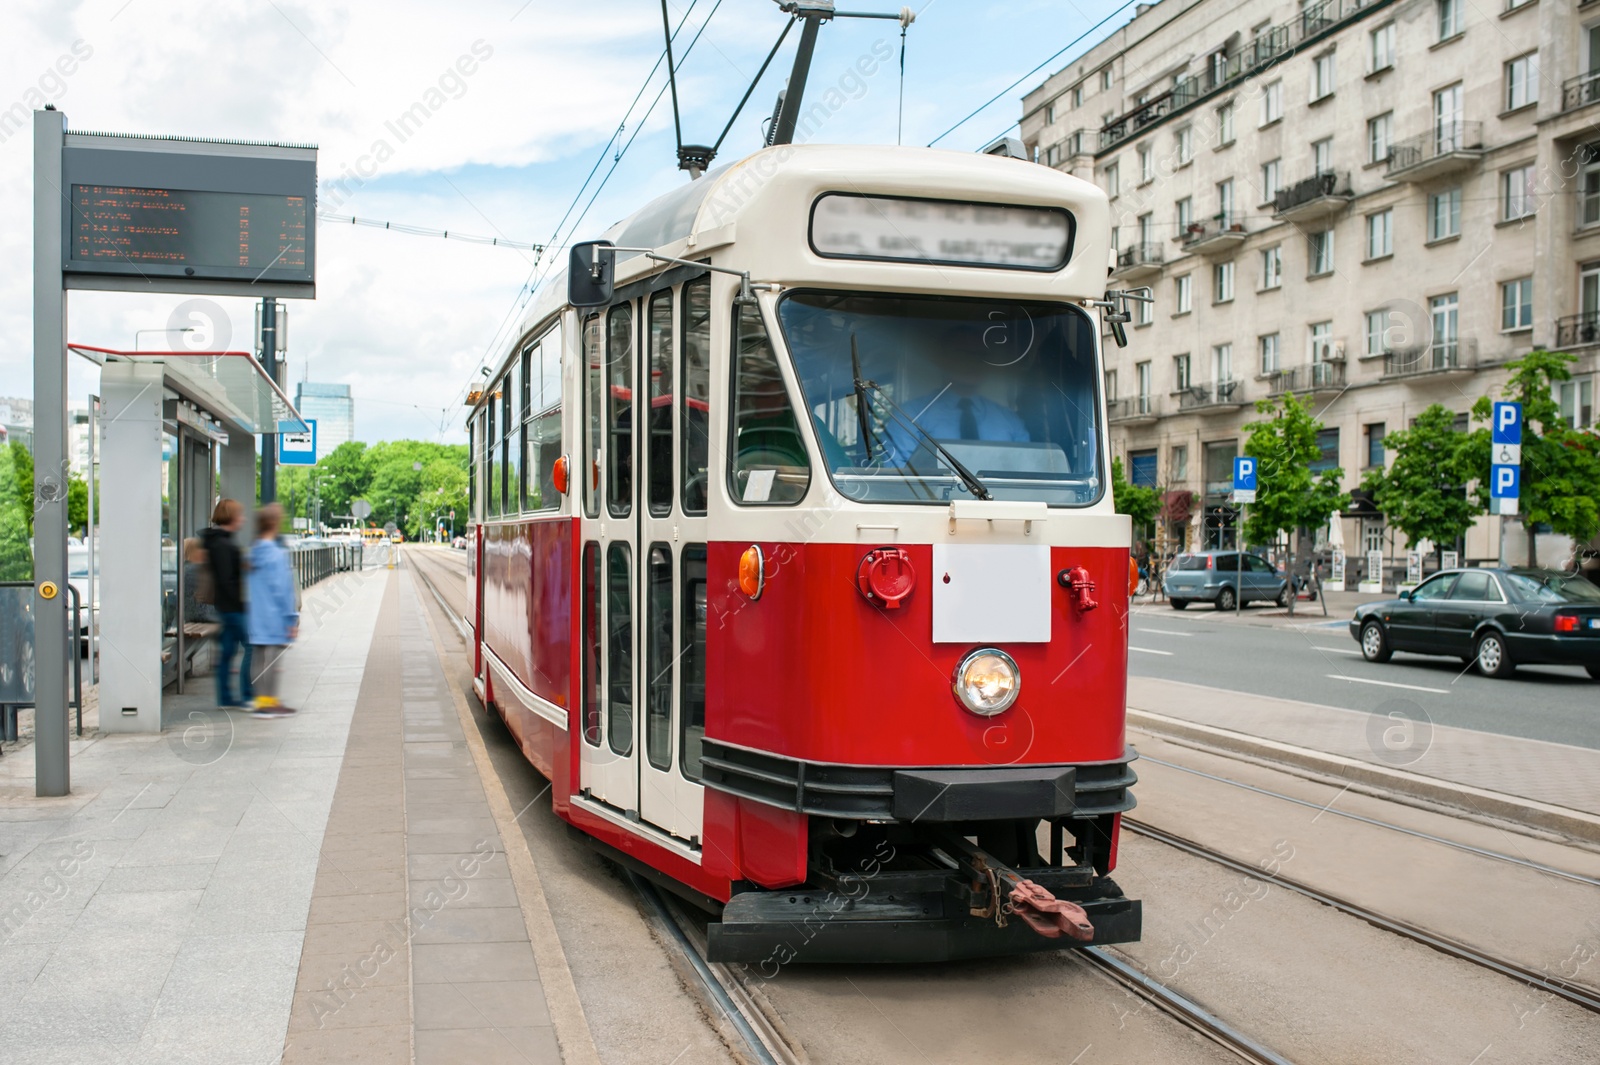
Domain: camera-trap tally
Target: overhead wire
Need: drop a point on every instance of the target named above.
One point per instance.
(419, 231)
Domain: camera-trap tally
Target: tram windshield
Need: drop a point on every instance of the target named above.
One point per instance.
(898, 386)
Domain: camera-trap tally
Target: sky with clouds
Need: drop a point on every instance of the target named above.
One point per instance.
(406, 320)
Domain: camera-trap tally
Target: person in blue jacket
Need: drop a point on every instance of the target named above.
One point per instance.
(274, 621)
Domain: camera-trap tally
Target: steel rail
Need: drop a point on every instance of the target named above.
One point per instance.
(1186, 1010)
(1469, 848)
(1574, 993)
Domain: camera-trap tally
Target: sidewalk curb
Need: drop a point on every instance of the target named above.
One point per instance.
(1573, 824)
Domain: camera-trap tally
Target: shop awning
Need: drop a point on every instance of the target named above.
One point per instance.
(230, 384)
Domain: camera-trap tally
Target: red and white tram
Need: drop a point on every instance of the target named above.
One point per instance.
(796, 566)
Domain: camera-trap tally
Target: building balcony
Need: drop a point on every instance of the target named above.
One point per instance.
(1438, 360)
(1580, 91)
(1578, 330)
(1315, 198)
(1211, 398)
(1133, 410)
(1449, 149)
(1314, 377)
(1220, 236)
(1140, 260)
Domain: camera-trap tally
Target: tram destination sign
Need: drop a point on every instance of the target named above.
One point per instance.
(942, 232)
(189, 215)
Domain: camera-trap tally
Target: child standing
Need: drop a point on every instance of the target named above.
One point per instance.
(273, 619)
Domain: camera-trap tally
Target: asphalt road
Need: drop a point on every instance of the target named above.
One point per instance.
(1315, 660)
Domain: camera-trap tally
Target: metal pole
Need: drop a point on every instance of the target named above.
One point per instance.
(90, 536)
(53, 776)
(1238, 573)
(269, 363)
(783, 128)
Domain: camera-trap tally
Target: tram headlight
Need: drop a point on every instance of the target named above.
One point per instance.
(987, 682)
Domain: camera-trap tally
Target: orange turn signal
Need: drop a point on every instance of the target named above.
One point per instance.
(752, 572)
(1133, 575)
(559, 475)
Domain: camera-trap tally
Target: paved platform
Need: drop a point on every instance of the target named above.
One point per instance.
(331, 887)
(1550, 773)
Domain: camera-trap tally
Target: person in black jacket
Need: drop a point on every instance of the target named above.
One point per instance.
(227, 596)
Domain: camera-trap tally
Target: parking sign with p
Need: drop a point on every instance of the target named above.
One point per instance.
(1244, 479)
(1505, 457)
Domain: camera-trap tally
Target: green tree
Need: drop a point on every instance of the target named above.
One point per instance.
(346, 473)
(16, 507)
(77, 502)
(1424, 492)
(1139, 503)
(1560, 465)
(1289, 496)
(22, 462)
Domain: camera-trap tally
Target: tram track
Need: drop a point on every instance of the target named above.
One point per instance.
(1454, 948)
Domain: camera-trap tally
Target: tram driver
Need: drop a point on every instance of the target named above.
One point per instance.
(955, 408)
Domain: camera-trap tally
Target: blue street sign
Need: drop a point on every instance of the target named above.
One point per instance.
(299, 449)
(1505, 482)
(1244, 474)
(1506, 424)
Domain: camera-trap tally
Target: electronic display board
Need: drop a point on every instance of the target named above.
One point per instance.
(216, 216)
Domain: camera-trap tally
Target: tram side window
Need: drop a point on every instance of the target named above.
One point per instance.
(619, 410)
(692, 660)
(619, 647)
(511, 442)
(770, 464)
(658, 658)
(694, 392)
(525, 407)
(591, 643)
(491, 469)
(475, 449)
(544, 425)
(594, 371)
(660, 418)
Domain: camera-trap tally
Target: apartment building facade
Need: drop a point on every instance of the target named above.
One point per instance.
(1371, 205)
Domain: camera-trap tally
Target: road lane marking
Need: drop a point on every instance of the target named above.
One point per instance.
(1388, 684)
(1336, 650)
(1164, 632)
(1149, 651)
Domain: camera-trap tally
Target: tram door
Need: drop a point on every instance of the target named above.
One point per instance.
(644, 573)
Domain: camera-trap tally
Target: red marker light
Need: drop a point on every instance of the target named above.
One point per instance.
(559, 475)
(1566, 623)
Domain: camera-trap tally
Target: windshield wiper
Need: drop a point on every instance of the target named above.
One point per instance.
(861, 397)
(970, 479)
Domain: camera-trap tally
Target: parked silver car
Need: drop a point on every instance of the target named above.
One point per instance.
(1224, 579)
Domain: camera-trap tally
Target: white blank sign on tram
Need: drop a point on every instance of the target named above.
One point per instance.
(991, 593)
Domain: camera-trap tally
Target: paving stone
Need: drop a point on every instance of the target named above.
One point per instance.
(459, 963)
(502, 1004)
(488, 1046)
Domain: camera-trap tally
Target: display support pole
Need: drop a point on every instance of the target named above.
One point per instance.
(89, 537)
(52, 773)
(269, 363)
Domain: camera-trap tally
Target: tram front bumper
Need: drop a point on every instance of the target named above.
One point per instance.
(771, 929)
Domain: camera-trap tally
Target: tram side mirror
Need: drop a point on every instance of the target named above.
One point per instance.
(1119, 334)
(590, 268)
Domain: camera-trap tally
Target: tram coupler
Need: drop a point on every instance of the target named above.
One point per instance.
(1007, 892)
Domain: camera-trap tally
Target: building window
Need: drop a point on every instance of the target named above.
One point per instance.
(1271, 179)
(1185, 294)
(1142, 373)
(1517, 199)
(1269, 353)
(1225, 203)
(1381, 54)
(1328, 448)
(1377, 323)
(1522, 81)
(1321, 341)
(1322, 155)
(1272, 266)
(1077, 96)
(1111, 386)
(1576, 400)
(1185, 214)
(1380, 137)
(1444, 214)
(1050, 113)
(1375, 445)
(1271, 103)
(1222, 364)
(1380, 234)
(1147, 165)
(1180, 372)
(1222, 282)
(1185, 138)
(1322, 77)
(1143, 312)
(1516, 304)
(1449, 131)
(1449, 18)
(1052, 155)
(1225, 124)
(1105, 79)
(1319, 253)
(1372, 537)
(1589, 191)
(1180, 463)
(1112, 181)
(1445, 312)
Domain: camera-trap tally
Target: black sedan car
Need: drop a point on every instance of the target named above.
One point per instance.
(1496, 619)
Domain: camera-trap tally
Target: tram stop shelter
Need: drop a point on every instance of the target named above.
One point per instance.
(178, 432)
